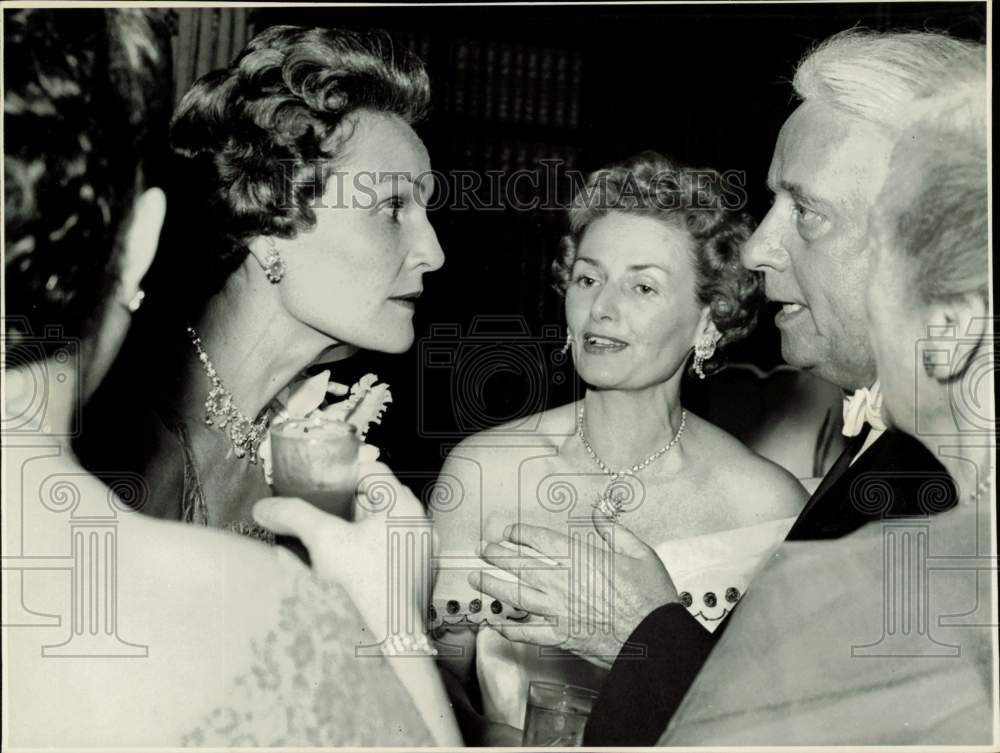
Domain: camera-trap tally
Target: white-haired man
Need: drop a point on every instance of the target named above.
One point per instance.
(883, 645)
(814, 248)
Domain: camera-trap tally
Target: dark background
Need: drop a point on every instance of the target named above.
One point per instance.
(708, 84)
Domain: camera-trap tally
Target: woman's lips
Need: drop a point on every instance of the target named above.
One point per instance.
(600, 344)
(408, 301)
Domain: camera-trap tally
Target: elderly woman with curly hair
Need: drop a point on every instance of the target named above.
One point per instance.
(298, 224)
(654, 287)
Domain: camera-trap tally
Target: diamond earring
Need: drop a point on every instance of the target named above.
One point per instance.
(274, 265)
(704, 350)
(569, 342)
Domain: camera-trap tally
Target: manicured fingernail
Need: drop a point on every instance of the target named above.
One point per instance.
(508, 530)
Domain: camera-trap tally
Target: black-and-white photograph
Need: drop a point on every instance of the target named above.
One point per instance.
(524, 375)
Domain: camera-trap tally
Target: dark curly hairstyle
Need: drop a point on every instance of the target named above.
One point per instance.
(254, 140)
(651, 185)
(85, 114)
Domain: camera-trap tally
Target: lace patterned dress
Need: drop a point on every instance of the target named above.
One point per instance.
(306, 687)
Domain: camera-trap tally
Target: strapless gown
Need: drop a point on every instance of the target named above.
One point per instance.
(711, 573)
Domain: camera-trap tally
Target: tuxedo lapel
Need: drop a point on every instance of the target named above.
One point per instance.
(894, 460)
(840, 467)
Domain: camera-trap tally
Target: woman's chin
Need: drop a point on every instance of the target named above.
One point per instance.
(399, 342)
(600, 379)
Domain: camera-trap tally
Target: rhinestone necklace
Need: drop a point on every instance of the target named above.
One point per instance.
(982, 489)
(610, 502)
(221, 410)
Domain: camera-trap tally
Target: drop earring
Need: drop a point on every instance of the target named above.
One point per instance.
(569, 342)
(274, 265)
(703, 350)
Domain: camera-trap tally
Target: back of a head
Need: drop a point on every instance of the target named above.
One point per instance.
(877, 76)
(935, 203)
(85, 116)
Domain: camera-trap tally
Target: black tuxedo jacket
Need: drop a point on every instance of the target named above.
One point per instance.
(895, 477)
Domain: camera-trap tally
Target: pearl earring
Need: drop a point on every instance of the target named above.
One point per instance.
(135, 302)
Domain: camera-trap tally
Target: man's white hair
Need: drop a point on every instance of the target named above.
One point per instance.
(878, 76)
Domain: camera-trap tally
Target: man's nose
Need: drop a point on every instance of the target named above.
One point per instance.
(765, 249)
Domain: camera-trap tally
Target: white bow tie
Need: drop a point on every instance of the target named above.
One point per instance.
(864, 406)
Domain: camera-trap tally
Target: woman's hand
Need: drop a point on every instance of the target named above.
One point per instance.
(587, 603)
(357, 555)
(382, 558)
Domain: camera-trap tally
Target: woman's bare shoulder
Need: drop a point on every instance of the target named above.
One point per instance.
(486, 469)
(759, 489)
(548, 428)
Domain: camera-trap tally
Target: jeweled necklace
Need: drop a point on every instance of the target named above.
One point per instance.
(221, 410)
(982, 489)
(610, 502)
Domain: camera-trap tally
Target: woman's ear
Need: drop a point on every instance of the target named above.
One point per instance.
(259, 248)
(706, 328)
(141, 239)
(957, 330)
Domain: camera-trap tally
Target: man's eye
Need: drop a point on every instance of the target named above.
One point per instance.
(645, 289)
(807, 216)
(394, 205)
(810, 224)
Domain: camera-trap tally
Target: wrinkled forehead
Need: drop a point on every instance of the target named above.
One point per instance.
(832, 156)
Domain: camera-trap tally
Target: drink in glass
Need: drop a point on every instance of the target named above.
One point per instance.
(556, 714)
(316, 459)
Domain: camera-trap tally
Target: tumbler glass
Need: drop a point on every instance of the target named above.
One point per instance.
(556, 714)
(316, 459)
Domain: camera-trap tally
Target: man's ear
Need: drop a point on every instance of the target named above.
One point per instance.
(965, 321)
(141, 239)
